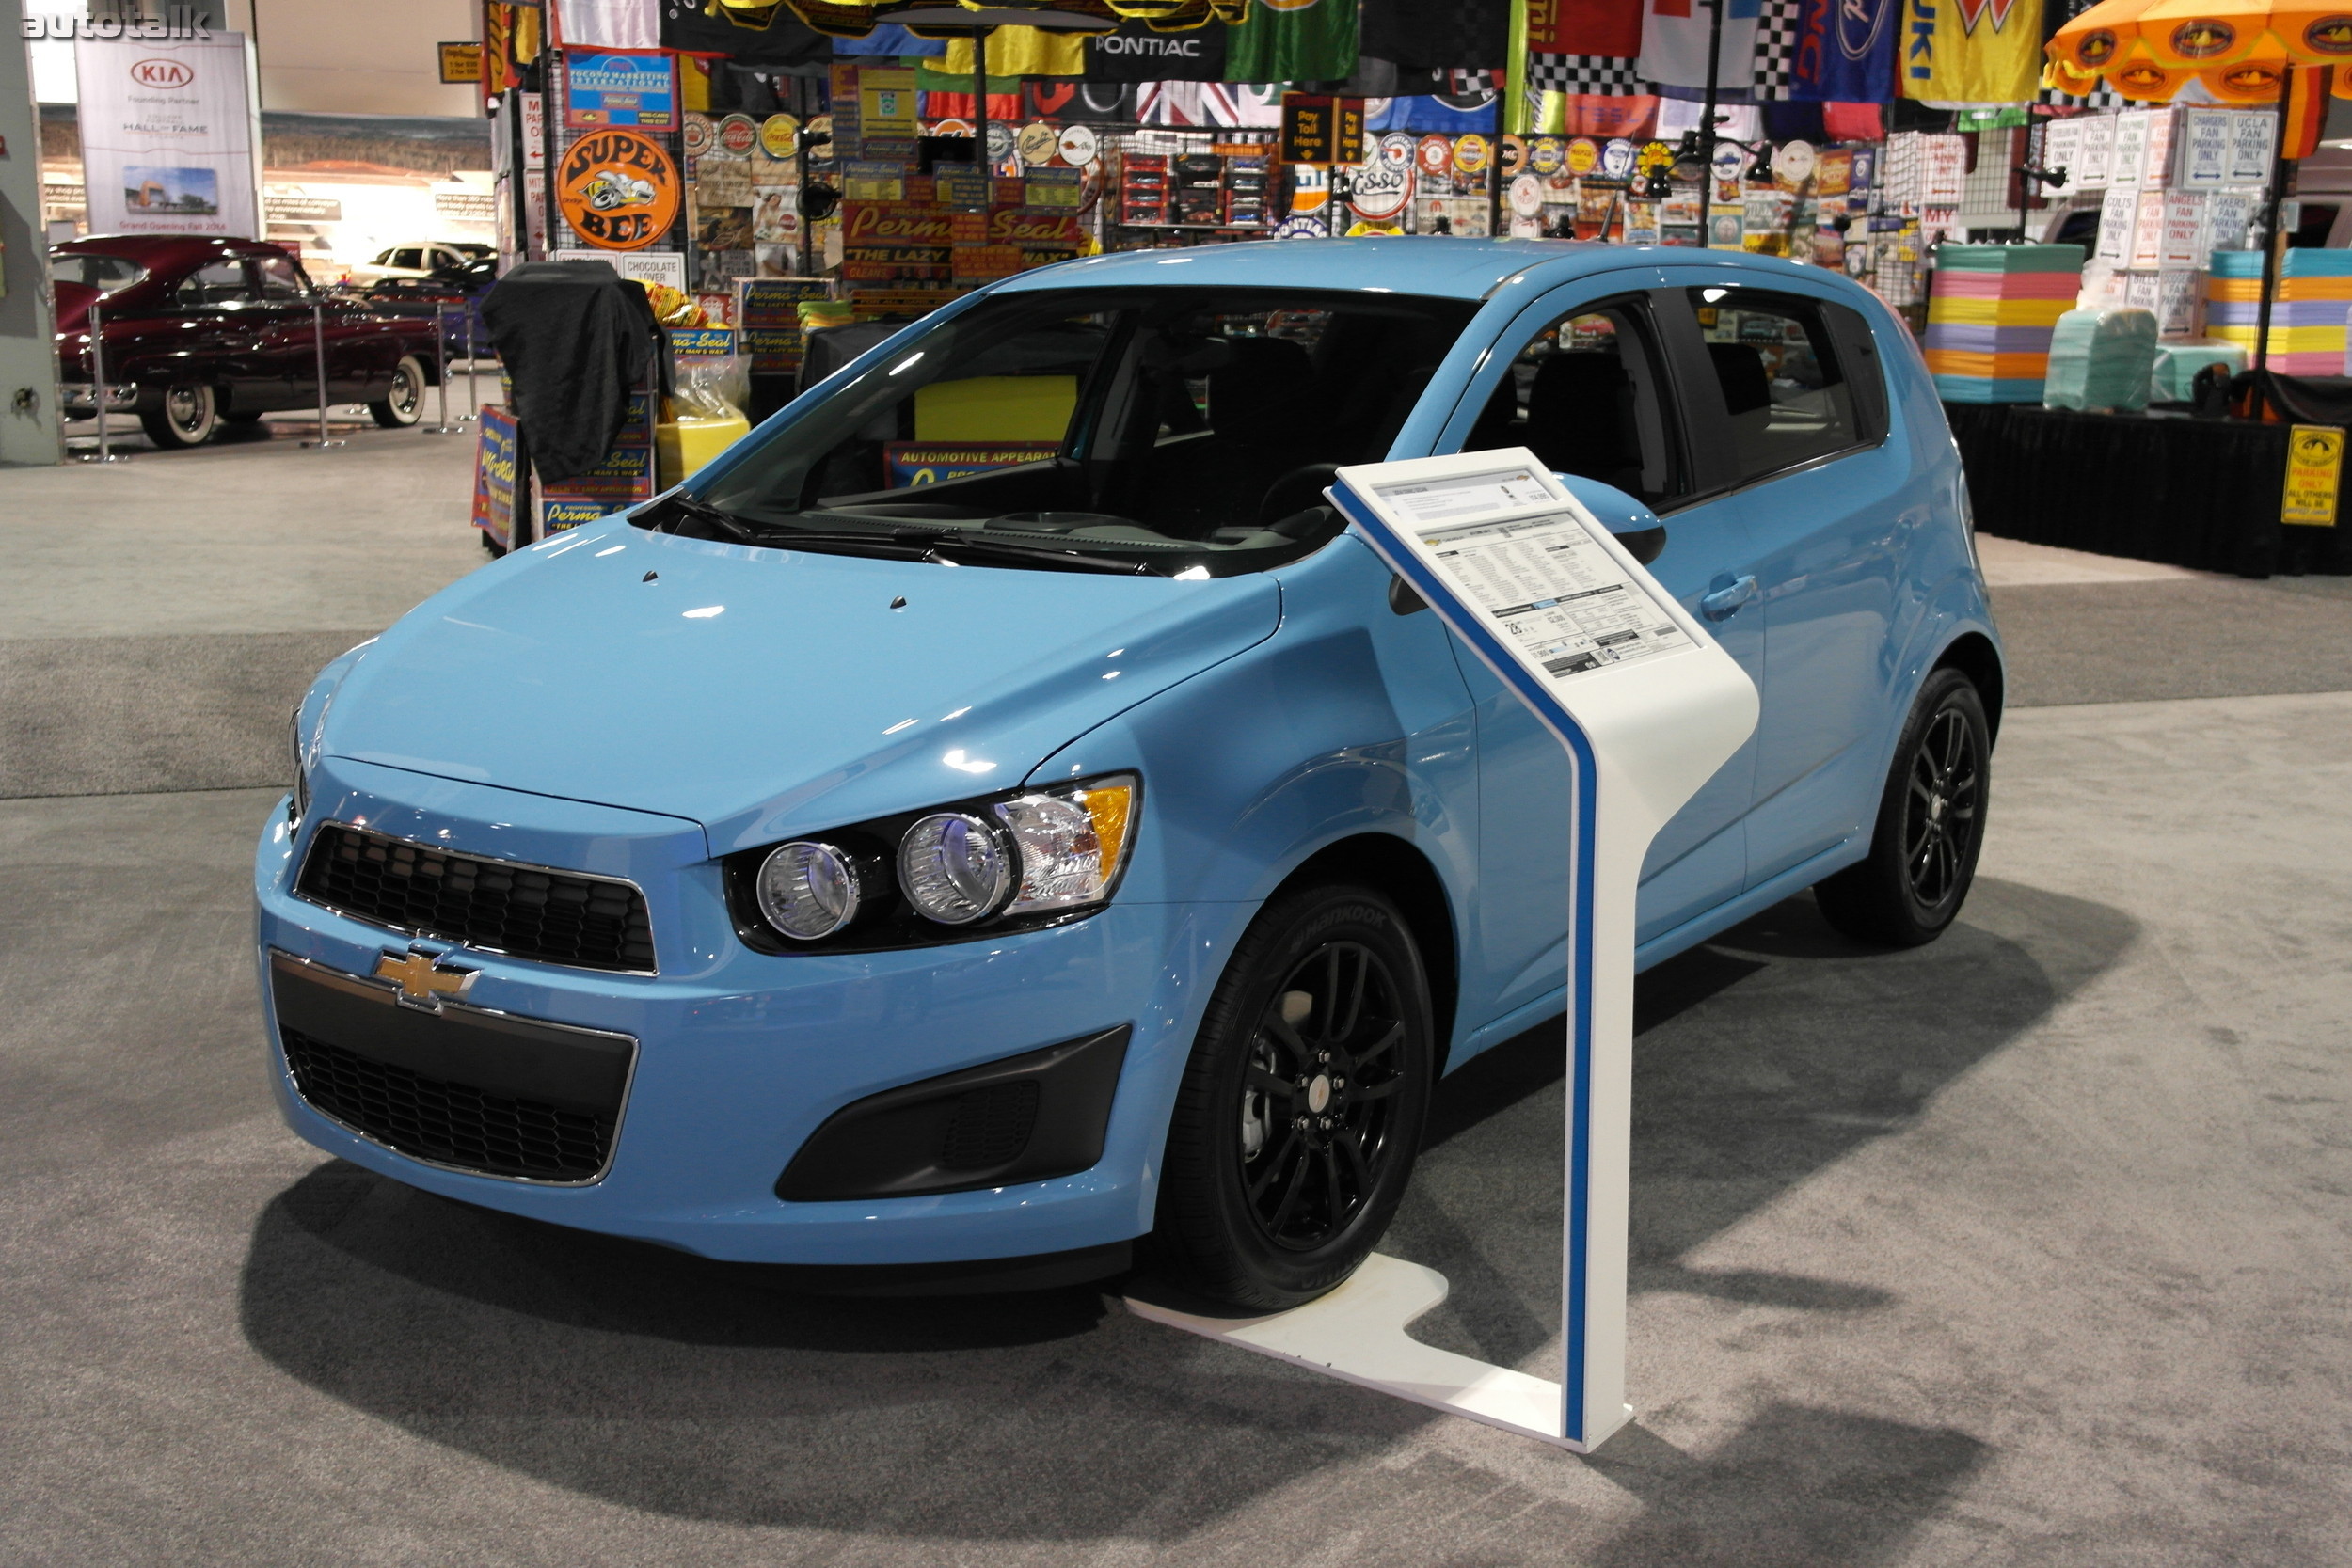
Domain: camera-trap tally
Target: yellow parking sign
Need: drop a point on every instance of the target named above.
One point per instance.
(2314, 473)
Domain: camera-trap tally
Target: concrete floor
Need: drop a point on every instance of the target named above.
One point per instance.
(2025, 1247)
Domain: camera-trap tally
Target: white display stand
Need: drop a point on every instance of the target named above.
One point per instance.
(1648, 708)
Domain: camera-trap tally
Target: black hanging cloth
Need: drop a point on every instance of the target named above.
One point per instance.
(576, 338)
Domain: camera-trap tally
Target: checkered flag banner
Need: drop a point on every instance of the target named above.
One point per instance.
(1475, 79)
(2100, 97)
(1777, 25)
(1602, 76)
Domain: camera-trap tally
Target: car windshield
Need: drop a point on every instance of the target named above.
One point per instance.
(1168, 430)
(105, 273)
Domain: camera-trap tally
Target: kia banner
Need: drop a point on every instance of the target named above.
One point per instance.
(170, 144)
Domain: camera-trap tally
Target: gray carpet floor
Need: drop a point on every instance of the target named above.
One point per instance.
(2024, 1248)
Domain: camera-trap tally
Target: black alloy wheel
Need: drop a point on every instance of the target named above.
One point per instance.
(1301, 1110)
(1930, 825)
(188, 417)
(1317, 1094)
(403, 401)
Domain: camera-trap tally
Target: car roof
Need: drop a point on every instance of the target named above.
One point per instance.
(1445, 266)
(154, 250)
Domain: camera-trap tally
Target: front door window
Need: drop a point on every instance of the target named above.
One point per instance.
(1583, 393)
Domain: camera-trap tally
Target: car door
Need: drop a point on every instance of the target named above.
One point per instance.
(281, 304)
(1587, 377)
(215, 342)
(1798, 400)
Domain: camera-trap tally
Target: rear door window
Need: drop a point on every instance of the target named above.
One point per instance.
(1790, 393)
(279, 278)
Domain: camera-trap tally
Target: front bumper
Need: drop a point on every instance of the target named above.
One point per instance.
(742, 1055)
(78, 399)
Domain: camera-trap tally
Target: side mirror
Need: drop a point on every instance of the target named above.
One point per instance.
(1637, 528)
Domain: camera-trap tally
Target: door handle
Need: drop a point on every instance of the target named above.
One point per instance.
(1723, 601)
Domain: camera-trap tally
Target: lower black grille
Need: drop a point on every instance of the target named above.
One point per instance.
(481, 1090)
(452, 1124)
(553, 916)
(991, 1126)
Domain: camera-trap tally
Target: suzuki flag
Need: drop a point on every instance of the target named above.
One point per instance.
(1845, 51)
(1674, 45)
(1973, 51)
(169, 139)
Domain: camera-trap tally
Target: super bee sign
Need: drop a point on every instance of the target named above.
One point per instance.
(618, 190)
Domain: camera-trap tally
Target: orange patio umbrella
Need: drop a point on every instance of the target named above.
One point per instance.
(2241, 51)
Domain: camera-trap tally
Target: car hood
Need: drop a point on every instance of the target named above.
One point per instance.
(764, 692)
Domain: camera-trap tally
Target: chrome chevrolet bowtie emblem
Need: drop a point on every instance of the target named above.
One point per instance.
(425, 979)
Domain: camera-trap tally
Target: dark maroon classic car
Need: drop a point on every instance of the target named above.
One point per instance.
(200, 332)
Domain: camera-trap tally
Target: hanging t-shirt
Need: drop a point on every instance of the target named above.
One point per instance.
(1137, 53)
(1460, 33)
(1674, 45)
(1293, 41)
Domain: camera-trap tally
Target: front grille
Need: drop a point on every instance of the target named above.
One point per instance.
(452, 1124)
(498, 906)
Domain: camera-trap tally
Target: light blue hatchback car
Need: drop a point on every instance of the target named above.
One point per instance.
(999, 814)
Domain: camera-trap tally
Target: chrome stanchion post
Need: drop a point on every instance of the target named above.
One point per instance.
(441, 361)
(318, 346)
(98, 387)
(473, 398)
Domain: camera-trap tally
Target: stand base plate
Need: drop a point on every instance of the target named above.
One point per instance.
(1358, 1333)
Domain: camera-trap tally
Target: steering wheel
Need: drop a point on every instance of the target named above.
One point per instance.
(1295, 491)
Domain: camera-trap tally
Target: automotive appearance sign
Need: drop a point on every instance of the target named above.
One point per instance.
(169, 138)
(618, 190)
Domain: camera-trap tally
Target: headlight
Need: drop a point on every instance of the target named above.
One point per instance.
(954, 868)
(301, 786)
(1071, 841)
(1001, 863)
(809, 890)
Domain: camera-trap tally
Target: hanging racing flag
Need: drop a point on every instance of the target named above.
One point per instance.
(1845, 51)
(1971, 51)
(1674, 45)
(1295, 40)
(1611, 28)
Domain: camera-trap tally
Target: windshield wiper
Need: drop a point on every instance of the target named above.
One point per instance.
(959, 541)
(681, 504)
(899, 543)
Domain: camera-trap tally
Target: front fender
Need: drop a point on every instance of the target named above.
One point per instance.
(1350, 719)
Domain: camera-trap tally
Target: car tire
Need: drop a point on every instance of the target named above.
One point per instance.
(1301, 1110)
(1930, 825)
(186, 417)
(403, 401)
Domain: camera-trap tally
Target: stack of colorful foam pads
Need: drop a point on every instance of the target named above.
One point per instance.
(1990, 317)
(2307, 312)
